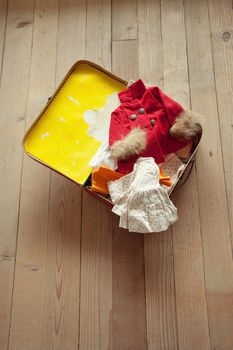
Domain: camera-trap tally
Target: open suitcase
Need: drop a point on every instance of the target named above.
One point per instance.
(58, 138)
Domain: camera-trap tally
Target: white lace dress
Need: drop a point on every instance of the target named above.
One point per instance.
(142, 204)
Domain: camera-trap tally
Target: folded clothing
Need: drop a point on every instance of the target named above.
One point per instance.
(142, 204)
(102, 175)
(173, 166)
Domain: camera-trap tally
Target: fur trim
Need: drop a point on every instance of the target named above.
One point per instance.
(186, 126)
(132, 144)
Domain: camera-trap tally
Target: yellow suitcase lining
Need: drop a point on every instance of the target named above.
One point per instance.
(58, 138)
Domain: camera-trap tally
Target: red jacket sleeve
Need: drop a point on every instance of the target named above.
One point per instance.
(172, 107)
(119, 126)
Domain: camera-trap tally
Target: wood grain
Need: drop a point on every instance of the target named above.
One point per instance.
(193, 332)
(14, 77)
(160, 291)
(214, 218)
(125, 59)
(18, 42)
(124, 20)
(221, 27)
(96, 276)
(31, 288)
(63, 266)
(129, 307)
(98, 34)
(71, 40)
(150, 54)
(189, 276)
(3, 19)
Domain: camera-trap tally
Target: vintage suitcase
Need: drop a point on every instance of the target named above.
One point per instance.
(58, 138)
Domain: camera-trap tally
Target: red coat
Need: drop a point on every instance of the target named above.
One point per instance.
(150, 109)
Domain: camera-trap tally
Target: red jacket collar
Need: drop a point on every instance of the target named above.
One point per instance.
(152, 99)
(134, 91)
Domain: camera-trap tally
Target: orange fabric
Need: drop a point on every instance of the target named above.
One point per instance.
(102, 175)
(163, 179)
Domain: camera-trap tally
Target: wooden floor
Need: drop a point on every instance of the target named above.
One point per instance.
(70, 278)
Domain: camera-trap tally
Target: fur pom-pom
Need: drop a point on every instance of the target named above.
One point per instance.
(132, 144)
(187, 125)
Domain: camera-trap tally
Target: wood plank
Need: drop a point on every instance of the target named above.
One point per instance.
(96, 275)
(98, 35)
(61, 305)
(125, 59)
(129, 306)
(150, 55)
(96, 257)
(160, 291)
(124, 20)
(14, 78)
(71, 35)
(29, 314)
(18, 44)
(211, 189)
(3, 20)
(221, 25)
(158, 247)
(193, 332)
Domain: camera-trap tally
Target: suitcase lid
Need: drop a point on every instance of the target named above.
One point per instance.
(58, 138)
